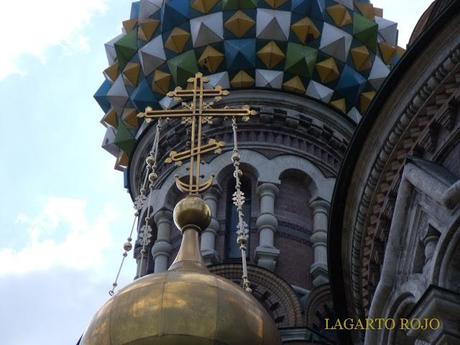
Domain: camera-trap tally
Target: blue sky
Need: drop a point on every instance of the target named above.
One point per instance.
(64, 214)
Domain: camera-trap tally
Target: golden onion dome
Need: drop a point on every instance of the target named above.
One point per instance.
(186, 305)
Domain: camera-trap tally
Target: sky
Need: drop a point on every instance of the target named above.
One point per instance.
(64, 214)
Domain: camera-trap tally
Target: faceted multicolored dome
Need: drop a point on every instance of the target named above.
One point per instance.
(338, 52)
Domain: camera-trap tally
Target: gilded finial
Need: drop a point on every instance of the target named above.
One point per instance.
(192, 211)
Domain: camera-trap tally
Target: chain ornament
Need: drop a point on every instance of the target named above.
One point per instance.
(145, 234)
(238, 200)
(127, 246)
(141, 202)
(151, 176)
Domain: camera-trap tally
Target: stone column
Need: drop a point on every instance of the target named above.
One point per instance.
(266, 253)
(318, 269)
(208, 236)
(161, 249)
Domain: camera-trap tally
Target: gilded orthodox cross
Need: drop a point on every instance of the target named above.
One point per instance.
(196, 112)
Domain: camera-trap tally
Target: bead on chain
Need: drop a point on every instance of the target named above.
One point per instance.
(145, 233)
(127, 246)
(139, 203)
(238, 200)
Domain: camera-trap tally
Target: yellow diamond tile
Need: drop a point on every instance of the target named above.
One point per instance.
(327, 70)
(111, 72)
(275, 3)
(239, 24)
(147, 28)
(130, 118)
(294, 85)
(122, 161)
(339, 15)
(271, 55)
(131, 73)
(211, 59)
(387, 51)
(378, 12)
(304, 29)
(204, 6)
(365, 100)
(400, 51)
(129, 25)
(242, 80)
(110, 119)
(177, 40)
(339, 104)
(367, 10)
(361, 58)
(161, 82)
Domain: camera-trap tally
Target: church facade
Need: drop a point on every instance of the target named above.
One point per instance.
(350, 168)
(395, 212)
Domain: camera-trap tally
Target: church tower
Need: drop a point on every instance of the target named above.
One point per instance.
(309, 69)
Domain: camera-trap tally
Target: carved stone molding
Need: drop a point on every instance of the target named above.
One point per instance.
(430, 111)
(288, 125)
(275, 294)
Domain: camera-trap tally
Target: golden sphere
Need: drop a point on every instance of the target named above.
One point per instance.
(192, 211)
(182, 308)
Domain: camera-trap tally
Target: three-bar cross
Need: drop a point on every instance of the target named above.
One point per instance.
(196, 113)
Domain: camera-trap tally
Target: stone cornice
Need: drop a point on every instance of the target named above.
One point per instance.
(291, 125)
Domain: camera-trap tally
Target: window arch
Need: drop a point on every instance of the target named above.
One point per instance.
(232, 249)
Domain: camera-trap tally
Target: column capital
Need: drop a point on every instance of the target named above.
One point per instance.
(267, 188)
(319, 204)
(267, 220)
(319, 274)
(163, 215)
(267, 257)
(210, 256)
(161, 248)
(319, 237)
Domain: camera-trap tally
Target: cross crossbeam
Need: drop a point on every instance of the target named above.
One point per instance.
(212, 146)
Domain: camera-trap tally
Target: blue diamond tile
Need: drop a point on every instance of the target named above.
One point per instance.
(240, 54)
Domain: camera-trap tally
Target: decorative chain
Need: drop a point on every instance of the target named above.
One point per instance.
(145, 233)
(238, 201)
(127, 246)
(140, 202)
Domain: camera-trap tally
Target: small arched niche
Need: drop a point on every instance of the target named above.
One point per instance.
(295, 193)
(228, 212)
(295, 225)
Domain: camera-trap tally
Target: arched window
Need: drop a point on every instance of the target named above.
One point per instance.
(232, 249)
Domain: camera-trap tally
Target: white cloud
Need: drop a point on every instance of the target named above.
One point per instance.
(57, 281)
(52, 307)
(30, 27)
(60, 236)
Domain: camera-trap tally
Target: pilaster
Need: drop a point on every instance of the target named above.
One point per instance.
(267, 224)
(318, 269)
(161, 249)
(208, 236)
